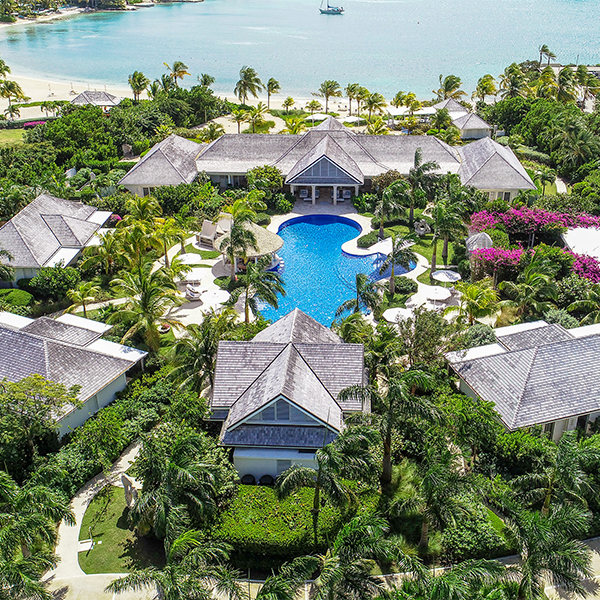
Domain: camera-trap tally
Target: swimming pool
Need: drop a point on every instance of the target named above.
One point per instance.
(318, 276)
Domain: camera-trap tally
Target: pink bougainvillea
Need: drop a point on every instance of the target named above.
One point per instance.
(530, 220)
(586, 266)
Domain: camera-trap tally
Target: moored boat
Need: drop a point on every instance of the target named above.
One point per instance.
(331, 10)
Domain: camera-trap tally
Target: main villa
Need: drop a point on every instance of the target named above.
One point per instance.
(327, 156)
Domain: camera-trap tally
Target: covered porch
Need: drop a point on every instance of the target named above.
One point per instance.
(325, 193)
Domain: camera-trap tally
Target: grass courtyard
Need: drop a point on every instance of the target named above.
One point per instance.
(118, 548)
(11, 137)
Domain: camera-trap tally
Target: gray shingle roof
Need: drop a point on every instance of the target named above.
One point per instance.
(96, 98)
(296, 358)
(532, 338)
(56, 361)
(450, 105)
(278, 436)
(170, 162)
(327, 149)
(297, 327)
(557, 380)
(43, 227)
(289, 375)
(487, 165)
(470, 121)
(62, 332)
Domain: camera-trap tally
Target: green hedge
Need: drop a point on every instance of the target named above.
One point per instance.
(259, 526)
(404, 285)
(262, 219)
(366, 241)
(16, 297)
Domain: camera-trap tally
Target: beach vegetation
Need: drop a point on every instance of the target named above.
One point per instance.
(328, 89)
(249, 84)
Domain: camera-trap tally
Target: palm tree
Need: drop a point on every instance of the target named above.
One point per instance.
(248, 84)
(236, 244)
(86, 292)
(288, 581)
(239, 116)
(29, 515)
(589, 84)
(145, 209)
(513, 82)
(165, 234)
(206, 80)
(412, 103)
(194, 355)
(273, 87)
(361, 94)
(374, 103)
(313, 106)
(11, 90)
(106, 254)
(393, 201)
(477, 300)
(12, 112)
(448, 218)
(397, 404)
(532, 293)
(547, 550)
(450, 136)
(544, 51)
(4, 69)
(398, 99)
(437, 490)
(328, 89)
(351, 92)
(449, 88)
(441, 119)
(178, 71)
(138, 82)
(400, 255)
(150, 296)
(346, 569)
(566, 82)
(211, 132)
(155, 89)
(21, 574)
(256, 116)
(420, 177)
(288, 103)
(294, 125)
(367, 296)
(259, 285)
(590, 304)
(546, 85)
(546, 176)
(6, 271)
(562, 478)
(377, 126)
(192, 570)
(486, 86)
(348, 453)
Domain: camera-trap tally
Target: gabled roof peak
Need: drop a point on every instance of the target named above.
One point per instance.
(331, 124)
(297, 328)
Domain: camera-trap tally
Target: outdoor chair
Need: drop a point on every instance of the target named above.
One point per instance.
(266, 480)
(303, 195)
(224, 223)
(248, 480)
(208, 233)
(347, 195)
(192, 292)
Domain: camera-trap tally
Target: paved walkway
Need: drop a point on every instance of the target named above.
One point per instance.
(67, 581)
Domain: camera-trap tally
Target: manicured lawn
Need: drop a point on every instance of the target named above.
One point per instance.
(262, 128)
(205, 254)
(11, 137)
(121, 549)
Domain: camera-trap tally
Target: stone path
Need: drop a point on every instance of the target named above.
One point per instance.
(67, 581)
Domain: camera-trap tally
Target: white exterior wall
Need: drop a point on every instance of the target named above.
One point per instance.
(135, 189)
(474, 134)
(91, 406)
(24, 273)
(264, 461)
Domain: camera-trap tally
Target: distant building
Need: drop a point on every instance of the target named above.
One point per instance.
(536, 374)
(104, 100)
(329, 159)
(277, 394)
(170, 162)
(69, 351)
(49, 231)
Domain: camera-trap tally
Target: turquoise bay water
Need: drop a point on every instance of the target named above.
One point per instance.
(386, 45)
(318, 276)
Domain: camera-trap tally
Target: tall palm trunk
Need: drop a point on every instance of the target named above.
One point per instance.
(166, 254)
(381, 224)
(316, 507)
(84, 310)
(247, 306)
(393, 281)
(433, 257)
(445, 249)
(411, 213)
(386, 470)
(424, 541)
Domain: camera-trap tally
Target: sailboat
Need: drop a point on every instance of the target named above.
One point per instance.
(331, 10)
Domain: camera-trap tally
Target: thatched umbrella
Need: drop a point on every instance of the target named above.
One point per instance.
(267, 243)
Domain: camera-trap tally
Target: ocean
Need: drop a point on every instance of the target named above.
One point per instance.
(385, 45)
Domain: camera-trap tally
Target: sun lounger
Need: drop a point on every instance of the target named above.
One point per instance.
(208, 233)
(192, 292)
(303, 195)
(224, 223)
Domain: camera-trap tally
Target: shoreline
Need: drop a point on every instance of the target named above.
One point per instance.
(60, 14)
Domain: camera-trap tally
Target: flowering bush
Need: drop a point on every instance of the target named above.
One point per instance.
(586, 266)
(32, 124)
(530, 220)
(500, 261)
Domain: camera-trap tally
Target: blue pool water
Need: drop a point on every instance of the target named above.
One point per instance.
(318, 276)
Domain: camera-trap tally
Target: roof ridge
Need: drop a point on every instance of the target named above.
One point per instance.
(520, 399)
(169, 160)
(508, 163)
(313, 372)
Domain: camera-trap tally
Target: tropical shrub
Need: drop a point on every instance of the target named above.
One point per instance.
(561, 317)
(561, 261)
(586, 266)
(479, 335)
(53, 283)
(364, 203)
(404, 285)
(15, 297)
(262, 219)
(282, 205)
(366, 241)
(504, 264)
(570, 289)
(520, 452)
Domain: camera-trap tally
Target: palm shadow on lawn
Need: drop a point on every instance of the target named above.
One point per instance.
(140, 551)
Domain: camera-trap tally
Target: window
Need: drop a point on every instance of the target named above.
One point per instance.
(506, 196)
(549, 429)
(582, 422)
(283, 411)
(283, 465)
(268, 414)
